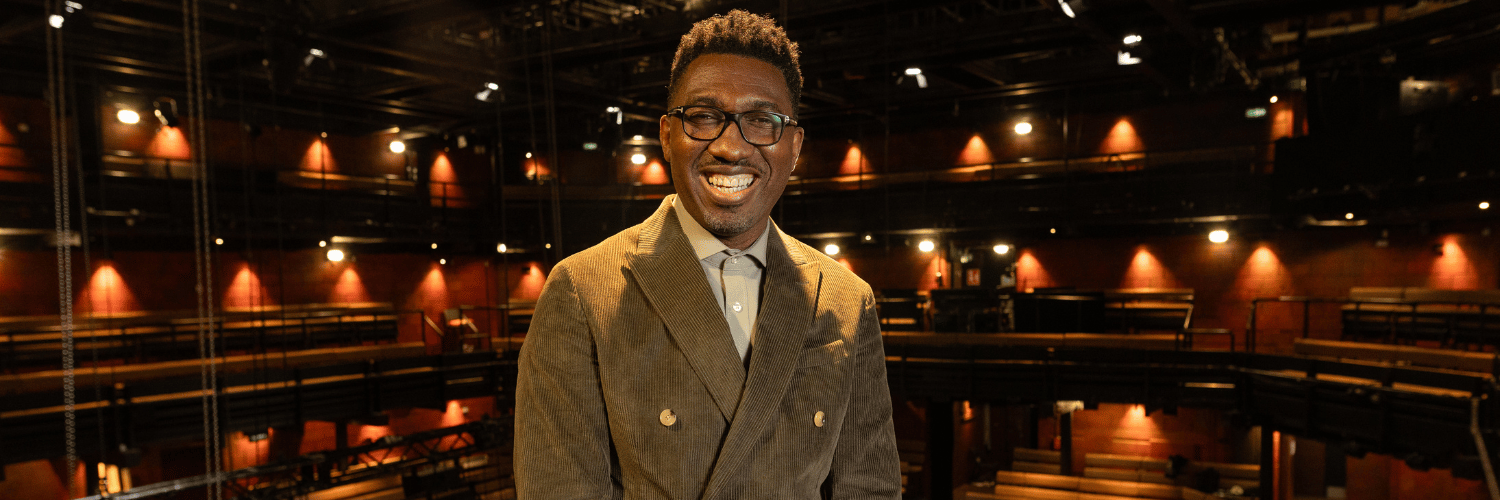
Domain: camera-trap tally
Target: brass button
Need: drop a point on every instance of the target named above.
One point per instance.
(668, 418)
(818, 419)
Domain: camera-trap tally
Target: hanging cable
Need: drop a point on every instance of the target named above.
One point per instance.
(56, 82)
(208, 357)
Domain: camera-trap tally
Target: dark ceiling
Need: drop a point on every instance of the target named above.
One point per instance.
(418, 64)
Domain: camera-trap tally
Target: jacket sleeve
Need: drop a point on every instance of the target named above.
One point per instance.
(562, 446)
(865, 462)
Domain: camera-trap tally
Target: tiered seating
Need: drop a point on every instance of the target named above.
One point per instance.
(1153, 470)
(1407, 315)
(1011, 485)
(1133, 310)
(900, 310)
(34, 342)
(1449, 359)
(1040, 461)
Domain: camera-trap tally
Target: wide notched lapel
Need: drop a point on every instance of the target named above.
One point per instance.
(786, 312)
(673, 281)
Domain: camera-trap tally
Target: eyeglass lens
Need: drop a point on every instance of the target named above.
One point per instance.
(757, 127)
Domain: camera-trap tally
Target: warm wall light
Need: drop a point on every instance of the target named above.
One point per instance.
(322, 243)
(218, 241)
(442, 262)
(128, 116)
(1023, 128)
(1349, 216)
(1002, 249)
(1218, 236)
(500, 248)
(1274, 99)
(335, 255)
(831, 249)
(1484, 205)
(398, 147)
(434, 246)
(638, 159)
(925, 246)
(1053, 231)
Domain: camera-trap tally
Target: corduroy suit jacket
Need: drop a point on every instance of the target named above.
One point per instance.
(630, 385)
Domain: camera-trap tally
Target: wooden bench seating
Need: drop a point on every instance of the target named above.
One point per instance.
(1011, 485)
(1398, 314)
(1132, 310)
(1036, 461)
(1478, 362)
(1153, 470)
(1143, 341)
(28, 343)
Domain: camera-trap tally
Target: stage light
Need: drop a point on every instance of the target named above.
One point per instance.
(1218, 236)
(1066, 9)
(166, 111)
(1124, 58)
(56, 21)
(323, 135)
(322, 243)
(316, 52)
(1002, 249)
(913, 71)
(637, 138)
(1274, 99)
(1349, 216)
(434, 246)
(442, 262)
(1023, 128)
(492, 86)
(612, 109)
(549, 246)
(831, 249)
(638, 159)
(925, 246)
(128, 116)
(500, 248)
(218, 241)
(1484, 205)
(868, 238)
(1132, 39)
(335, 255)
(1053, 231)
(528, 155)
(398, 147)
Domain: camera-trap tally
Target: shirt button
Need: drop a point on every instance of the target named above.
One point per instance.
(818, 419)
(737, 307)
(735, 260)
(668, 418)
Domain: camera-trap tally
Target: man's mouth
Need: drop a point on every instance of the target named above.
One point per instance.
(730, 184)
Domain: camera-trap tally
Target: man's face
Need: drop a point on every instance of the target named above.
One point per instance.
(708, 175)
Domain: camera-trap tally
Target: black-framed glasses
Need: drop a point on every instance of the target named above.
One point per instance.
(707, 123)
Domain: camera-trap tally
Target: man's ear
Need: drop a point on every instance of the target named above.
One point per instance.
(797, 146)
(663, 131)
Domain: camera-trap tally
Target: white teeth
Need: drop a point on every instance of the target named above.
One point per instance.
(731, 183)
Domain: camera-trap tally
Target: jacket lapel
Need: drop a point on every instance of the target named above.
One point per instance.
(671, 279)
(790, 297)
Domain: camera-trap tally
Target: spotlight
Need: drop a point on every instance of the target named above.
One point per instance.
(612, 109)
(335, 255)
(1053, 231)
(1349, 216)
(1484, 205)
(56, 21)
(1002, 249)
(868, 238)
(316, 52)
(442, 262)
(619, 114)
(128, 117)
(925, 246)
(1124, 58)
(1066, 9)
(398, 147)
(1218, 236)
(434, 246)
(1135, 39)
(322, 243)
(1274, 99)
(913, 71)
(166, 111)
(1023, 128)
(492, 86)
(483, 95)
(218, 241)
(500, 248)
(637, 138)
(638, 159)
(528, 155)
(549, 246)
(323, 135)
(831, 249)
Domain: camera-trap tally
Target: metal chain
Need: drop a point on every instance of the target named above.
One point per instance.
(208, 352)
(56, 82)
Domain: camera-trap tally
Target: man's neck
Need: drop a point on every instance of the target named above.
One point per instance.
(744, 240)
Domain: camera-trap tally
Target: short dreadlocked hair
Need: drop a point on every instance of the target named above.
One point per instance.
(740, 33)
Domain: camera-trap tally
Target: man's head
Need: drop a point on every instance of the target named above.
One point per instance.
(730, 180)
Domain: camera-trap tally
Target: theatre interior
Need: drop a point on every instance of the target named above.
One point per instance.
(1121, 249)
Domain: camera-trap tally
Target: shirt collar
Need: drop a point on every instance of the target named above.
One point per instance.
(705, 243)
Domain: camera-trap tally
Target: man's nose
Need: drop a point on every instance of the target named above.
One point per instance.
(731, 146)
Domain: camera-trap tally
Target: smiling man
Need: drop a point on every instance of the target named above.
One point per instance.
(704, 354)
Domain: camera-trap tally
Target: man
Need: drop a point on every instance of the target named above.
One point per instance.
(704, 353)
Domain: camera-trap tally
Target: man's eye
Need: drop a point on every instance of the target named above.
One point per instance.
(704, 117)
(761, 120)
